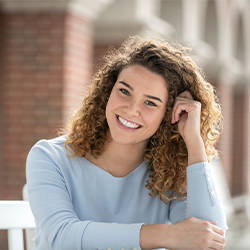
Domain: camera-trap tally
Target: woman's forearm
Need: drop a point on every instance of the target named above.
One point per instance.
(154, 236)
(196, 150)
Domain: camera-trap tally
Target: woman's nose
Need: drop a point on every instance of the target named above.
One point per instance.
(132, 108)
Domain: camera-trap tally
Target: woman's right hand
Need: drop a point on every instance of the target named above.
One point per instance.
(194, 233)
(189, 234)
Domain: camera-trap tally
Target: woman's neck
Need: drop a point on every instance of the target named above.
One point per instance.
(119, 160)
(123, 159)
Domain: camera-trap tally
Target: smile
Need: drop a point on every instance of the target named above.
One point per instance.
(127, 123)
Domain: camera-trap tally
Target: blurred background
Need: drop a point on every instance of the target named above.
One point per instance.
(49, 50)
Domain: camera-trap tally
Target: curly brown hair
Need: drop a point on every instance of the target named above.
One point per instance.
(166, 152)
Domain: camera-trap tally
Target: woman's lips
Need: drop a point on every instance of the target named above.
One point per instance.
(126, 123)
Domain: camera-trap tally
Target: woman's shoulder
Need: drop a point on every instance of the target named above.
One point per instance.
(50, 156)
(53, 142)
(50, 147)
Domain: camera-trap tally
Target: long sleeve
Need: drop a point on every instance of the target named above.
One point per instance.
(202, 198)
(80, 206)
(58, 225)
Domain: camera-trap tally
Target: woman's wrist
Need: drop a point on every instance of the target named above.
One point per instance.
(196, 150)
(155, 236)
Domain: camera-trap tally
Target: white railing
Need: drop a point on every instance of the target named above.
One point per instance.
(14, 217)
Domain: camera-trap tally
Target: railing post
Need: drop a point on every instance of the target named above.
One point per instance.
(15, 239)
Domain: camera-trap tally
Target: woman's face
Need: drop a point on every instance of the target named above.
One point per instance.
(136, 105)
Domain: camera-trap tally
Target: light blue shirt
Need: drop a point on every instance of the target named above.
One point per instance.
(77, 205)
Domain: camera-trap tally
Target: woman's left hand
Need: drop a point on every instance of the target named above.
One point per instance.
(187, 113)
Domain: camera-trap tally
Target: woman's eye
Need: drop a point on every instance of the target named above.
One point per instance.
(150, 103)
(124, 91)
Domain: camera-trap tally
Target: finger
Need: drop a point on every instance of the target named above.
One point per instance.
(179, 110)
(216, 245)
(179, 101)
(218, 230)
(219, 238)
(213, 222)
(186, 94)
(183, 107)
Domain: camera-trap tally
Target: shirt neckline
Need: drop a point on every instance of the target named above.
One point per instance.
(97, 169)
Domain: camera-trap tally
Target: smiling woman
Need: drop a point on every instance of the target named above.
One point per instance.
(133, 170)
(131, 114)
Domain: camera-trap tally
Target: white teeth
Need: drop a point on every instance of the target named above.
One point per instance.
(127, 124)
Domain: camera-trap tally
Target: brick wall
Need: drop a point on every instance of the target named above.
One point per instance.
(99, 51)
(1, 99)
(78, 62)
(32, 79)
(46, 61)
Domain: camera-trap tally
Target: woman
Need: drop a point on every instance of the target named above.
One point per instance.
(150, 119)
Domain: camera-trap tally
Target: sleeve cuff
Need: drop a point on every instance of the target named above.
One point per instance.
(112, 236)
(202, 171)
(202, 197)
(197, 166)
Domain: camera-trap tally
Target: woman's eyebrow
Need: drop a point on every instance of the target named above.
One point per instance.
(153, 97)
(127, 85)
(148, 96)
